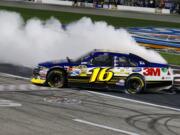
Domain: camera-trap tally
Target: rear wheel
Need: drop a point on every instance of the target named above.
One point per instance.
(134, 84)
(56, 78)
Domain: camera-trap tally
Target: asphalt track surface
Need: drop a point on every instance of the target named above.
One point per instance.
(115, 13)
(35, 110)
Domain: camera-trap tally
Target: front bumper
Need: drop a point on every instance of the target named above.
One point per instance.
(39, 75)
(37, 81)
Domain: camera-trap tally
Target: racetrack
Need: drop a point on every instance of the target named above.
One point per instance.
(28, 109)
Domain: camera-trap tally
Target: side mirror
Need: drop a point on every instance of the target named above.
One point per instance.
(68, 59)
(90, 62)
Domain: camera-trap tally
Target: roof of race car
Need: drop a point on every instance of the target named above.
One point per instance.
(109, 51)
(118, 52)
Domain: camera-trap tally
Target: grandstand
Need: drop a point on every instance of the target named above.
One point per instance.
(150, 6)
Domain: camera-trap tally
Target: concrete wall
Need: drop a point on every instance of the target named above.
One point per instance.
(55, 2)
(143, 9)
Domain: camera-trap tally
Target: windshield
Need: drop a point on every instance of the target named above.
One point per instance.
(81, 58)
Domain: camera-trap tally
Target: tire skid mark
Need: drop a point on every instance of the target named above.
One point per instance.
(168, 127)
(130, 120)
(153, 122)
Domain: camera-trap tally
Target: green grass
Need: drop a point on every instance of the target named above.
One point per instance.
(171, 58)
(66, 18)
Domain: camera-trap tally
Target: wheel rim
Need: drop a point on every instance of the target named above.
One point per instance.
(56, 80)
(134, 85)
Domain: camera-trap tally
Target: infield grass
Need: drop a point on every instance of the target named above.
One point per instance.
(171, 58)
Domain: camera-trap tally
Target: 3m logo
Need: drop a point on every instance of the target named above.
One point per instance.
(102, 75)
(152, 72)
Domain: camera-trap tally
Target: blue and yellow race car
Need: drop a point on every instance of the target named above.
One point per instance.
(105, 69)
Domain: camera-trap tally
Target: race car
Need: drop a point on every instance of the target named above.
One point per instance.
(107, 70)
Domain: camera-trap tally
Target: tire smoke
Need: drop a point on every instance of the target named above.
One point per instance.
(34, 41)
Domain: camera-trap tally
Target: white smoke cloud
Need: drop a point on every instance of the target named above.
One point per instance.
(37, 41)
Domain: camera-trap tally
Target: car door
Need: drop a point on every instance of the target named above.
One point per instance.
(92, 69)
(99, 67)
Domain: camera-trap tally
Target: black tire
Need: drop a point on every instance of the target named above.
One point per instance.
(56, 78)
(135, 84)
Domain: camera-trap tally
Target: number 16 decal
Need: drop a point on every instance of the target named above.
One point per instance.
(101, 74)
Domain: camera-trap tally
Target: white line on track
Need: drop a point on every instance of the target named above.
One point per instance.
(23, 87)
(1, 87)
(135, 101)
(9, 103)
(14, 76)
(105, 127)
(11, 87)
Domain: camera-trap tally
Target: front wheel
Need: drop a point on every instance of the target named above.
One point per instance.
(134, 84)
(56, 78)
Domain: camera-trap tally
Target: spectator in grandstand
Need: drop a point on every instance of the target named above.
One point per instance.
(173, 8)
(161, 4)
(75, 4)
(178, 7)
(151, 3)
(121, 2)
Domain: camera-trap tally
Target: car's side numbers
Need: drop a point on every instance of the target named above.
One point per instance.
(101, 74)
